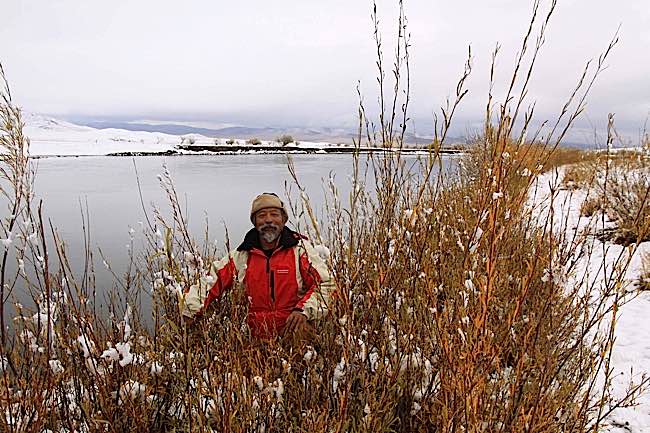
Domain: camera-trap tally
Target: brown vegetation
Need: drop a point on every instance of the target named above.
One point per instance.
(285, 139)
(452, 313)
(619, 186)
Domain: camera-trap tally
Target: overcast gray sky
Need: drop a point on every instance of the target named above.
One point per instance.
(297, 62)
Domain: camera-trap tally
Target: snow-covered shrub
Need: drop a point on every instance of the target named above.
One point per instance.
(644, 280)
(627, 199)
(619, 186)
(591, 205)
(285, 139)
(582, 174)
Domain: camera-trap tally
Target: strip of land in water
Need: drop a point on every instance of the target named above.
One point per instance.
(254, 149)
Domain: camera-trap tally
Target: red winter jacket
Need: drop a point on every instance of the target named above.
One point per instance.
(294, 277)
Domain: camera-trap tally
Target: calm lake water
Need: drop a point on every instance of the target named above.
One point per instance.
(217, 187)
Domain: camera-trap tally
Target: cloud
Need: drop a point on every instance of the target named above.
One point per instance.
(298, 62)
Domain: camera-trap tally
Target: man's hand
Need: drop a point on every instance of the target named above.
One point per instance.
(189, 321)
(295, 322)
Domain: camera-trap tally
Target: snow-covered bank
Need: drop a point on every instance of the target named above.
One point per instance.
(52, 137)
(631, 353)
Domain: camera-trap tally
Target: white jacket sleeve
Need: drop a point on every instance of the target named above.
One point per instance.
(317, 304)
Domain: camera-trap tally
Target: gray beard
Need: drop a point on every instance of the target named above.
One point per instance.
(269, 232)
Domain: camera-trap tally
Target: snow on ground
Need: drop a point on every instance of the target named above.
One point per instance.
(53, 137)
(631, 354)
(49, 137)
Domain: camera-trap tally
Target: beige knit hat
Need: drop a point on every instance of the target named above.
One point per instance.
(267, 200)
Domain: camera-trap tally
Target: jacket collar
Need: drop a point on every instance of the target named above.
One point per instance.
(288, 239)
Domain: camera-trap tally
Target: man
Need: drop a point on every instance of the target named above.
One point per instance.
(286, 281)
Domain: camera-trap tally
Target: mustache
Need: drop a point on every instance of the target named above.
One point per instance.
(269, 232)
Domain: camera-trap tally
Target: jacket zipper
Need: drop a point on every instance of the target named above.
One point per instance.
(271, 279)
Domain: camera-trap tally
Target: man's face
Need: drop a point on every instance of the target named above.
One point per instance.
(269, 223)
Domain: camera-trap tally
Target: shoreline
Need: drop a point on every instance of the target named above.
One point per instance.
(292, 148)
(202, 150)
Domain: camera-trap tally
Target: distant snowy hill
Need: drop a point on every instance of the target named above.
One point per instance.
(54, 137)
(267, 133)
(50, 136)
(332, 135)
